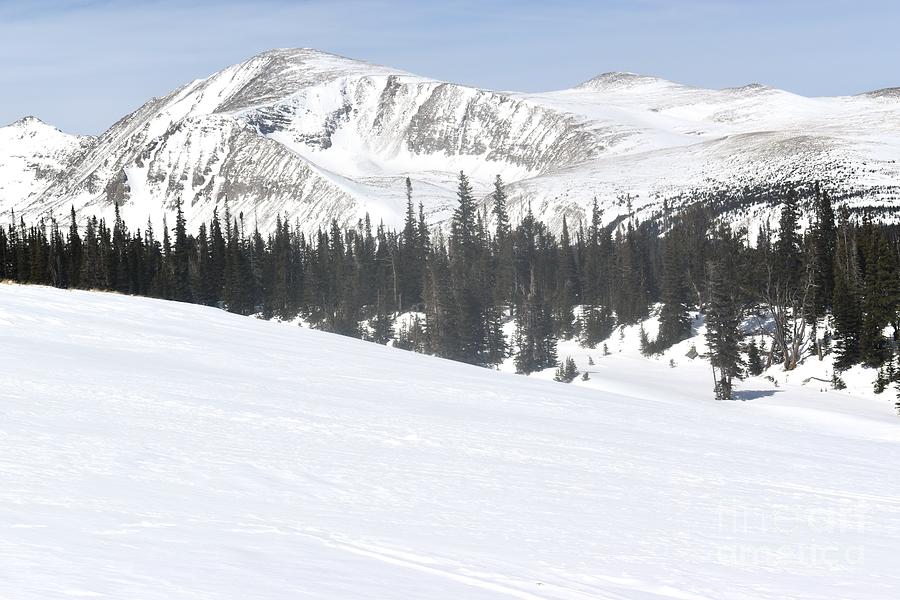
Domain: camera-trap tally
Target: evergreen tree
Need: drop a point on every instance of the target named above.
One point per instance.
(38, 255)
(646, 348)
(597, 324)
(535, 338)
(93, 270)
(630, 297)
(723, 335)
(204, 292)
(880, 296)
(382, 323)
(181, 257)
(674, 319)
(74, 251)
(824, 236)
(238, 278)
(56, 257)
(5, 257)
(594, 259)
(466, 279)
(788, 258)
(412, 254)
(441, 333)
(117, 264)
(846, 298)
(567, 371)
(504, 269)
(566, 286)
(217, 255)
(754, 360)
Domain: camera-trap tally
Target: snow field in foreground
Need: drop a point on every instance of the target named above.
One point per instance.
(152, 449)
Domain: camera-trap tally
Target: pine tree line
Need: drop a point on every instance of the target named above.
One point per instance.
(464, 288)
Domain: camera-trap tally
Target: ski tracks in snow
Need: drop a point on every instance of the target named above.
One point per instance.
(496, 583)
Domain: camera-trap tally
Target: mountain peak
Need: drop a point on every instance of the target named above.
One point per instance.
(29, 121)
(614, 80)
(308, 53)
(312, 59)
(32, 126)
(277, 74)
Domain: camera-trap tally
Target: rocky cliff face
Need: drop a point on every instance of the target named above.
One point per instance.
(314, 137)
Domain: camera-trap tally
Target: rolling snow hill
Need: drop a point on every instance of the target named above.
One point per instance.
(151, 449)
(315, 137)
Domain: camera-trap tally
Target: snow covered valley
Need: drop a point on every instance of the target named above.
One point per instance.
(152, 449)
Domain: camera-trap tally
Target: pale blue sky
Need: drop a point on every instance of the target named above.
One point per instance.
(82, 64)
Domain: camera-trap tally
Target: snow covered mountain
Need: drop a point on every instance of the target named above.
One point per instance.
(152, 449)
(32, 156)
(315, 137)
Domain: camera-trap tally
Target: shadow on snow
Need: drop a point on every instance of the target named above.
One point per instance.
(744, 395)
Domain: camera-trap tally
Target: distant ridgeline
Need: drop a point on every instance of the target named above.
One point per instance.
(833, 287)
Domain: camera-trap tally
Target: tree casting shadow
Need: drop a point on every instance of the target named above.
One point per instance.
(744, 395)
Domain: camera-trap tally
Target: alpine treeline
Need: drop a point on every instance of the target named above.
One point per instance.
(831, 287)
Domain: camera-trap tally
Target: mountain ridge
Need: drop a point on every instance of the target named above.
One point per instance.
(313, 136)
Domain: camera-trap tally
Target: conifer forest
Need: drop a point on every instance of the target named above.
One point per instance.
(824, 280)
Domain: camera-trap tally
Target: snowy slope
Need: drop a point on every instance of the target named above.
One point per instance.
(315, 137)
(675, 371)
(663, 138)
(160, 450)
(33, 155)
